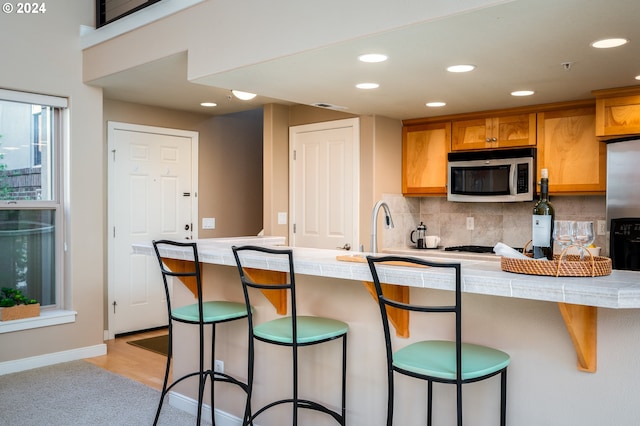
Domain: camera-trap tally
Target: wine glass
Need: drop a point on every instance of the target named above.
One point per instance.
(563, 231)
(583, 236)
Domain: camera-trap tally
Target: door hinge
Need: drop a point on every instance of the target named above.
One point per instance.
(294, 228)
(114, 306)
(113, 151)
(294, 155)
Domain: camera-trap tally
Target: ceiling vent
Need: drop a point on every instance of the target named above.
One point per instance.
(328, 106)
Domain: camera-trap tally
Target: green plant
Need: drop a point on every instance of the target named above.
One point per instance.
(12, 297)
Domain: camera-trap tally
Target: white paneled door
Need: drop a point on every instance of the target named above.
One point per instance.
(324, 160)
(152, 195)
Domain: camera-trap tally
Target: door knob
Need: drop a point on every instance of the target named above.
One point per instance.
(186, 227)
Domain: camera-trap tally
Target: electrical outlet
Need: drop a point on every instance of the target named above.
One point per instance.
(469, 224)
(602, 227)
(218, 366)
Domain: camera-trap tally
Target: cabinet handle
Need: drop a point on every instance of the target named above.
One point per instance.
(494, 139)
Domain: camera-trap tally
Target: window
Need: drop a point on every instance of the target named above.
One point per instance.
(31, 129)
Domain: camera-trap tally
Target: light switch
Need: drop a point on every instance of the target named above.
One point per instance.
(282, 218)
(208, 223)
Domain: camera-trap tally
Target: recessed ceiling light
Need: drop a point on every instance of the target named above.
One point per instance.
(461, 68)
(637, 77)
(522, 93)
(435, 104)
(373, 57)
(245, 96)
(609, 42)
(208, 104)
(367, 85)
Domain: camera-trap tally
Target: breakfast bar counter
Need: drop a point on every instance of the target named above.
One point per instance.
(519, 321)
(619, 290)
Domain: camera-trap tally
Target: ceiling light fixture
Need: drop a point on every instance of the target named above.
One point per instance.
(461, 68)
(435, 104)
(522, 93)
(208, 104)
(609, 42)
(367, 86)
(637, 77)
(372, 57)
(245, 96)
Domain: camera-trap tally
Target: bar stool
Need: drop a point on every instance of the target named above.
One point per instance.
(452, 362)
(201, 313)
(293, 331)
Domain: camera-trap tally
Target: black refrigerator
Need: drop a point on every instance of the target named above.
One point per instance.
(623, 202)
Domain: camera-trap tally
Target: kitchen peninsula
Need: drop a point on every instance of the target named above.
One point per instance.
(518, 321)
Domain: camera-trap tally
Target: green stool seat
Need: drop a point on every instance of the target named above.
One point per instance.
(213, 311)
(310, 329)
(437, 358)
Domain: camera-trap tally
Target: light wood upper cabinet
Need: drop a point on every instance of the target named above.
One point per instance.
(569, 149)
(424, 158)
(617, 112)
(494, 132)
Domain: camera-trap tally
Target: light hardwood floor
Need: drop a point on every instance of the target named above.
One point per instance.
(130, 361)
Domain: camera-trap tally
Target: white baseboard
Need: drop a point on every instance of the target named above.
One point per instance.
(23, 364)
(190, 405)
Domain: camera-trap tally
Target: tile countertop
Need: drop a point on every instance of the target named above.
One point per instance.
(620, 290)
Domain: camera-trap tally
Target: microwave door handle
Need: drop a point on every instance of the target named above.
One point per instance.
(512, 180)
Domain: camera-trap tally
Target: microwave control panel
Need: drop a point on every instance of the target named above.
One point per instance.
(522, 178)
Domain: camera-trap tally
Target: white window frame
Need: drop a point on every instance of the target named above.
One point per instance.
(53, 314)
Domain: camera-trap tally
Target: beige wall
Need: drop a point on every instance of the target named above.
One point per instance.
(229, 165)
(275, 168)
(380, 161)
(42, 56)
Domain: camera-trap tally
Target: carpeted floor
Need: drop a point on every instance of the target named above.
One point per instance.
(81, 394)
(157, 344)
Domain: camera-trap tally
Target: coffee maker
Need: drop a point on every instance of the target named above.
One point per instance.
(421, 233)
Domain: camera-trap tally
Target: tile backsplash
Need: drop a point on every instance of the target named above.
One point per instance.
(509, 223)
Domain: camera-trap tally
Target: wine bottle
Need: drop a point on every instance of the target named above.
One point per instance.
(543, 215)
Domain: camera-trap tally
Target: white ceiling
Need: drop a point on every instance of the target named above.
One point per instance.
(517, 45)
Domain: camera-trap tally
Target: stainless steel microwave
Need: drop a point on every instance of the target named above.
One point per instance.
(500, 175)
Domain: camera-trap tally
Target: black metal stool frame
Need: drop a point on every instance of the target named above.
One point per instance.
(202, 373)
(456, 309)
(295, 401)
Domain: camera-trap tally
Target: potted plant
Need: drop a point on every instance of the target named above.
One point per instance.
(14, 305)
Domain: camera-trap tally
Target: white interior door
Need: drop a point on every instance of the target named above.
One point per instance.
(324, 184)
(152, 195)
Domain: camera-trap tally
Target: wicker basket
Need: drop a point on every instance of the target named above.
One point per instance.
(562, 265)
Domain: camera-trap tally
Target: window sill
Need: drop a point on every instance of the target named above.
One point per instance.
(46, 319)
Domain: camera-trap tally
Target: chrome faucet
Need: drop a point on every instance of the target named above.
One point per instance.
(388, 223)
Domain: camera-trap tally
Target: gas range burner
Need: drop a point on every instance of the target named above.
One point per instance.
(471, 249)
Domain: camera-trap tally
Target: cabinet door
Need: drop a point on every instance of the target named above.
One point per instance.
(618, 116)
(495, 132)
(424, 158)
(569, 149)
(514, 130)
(471, 134)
